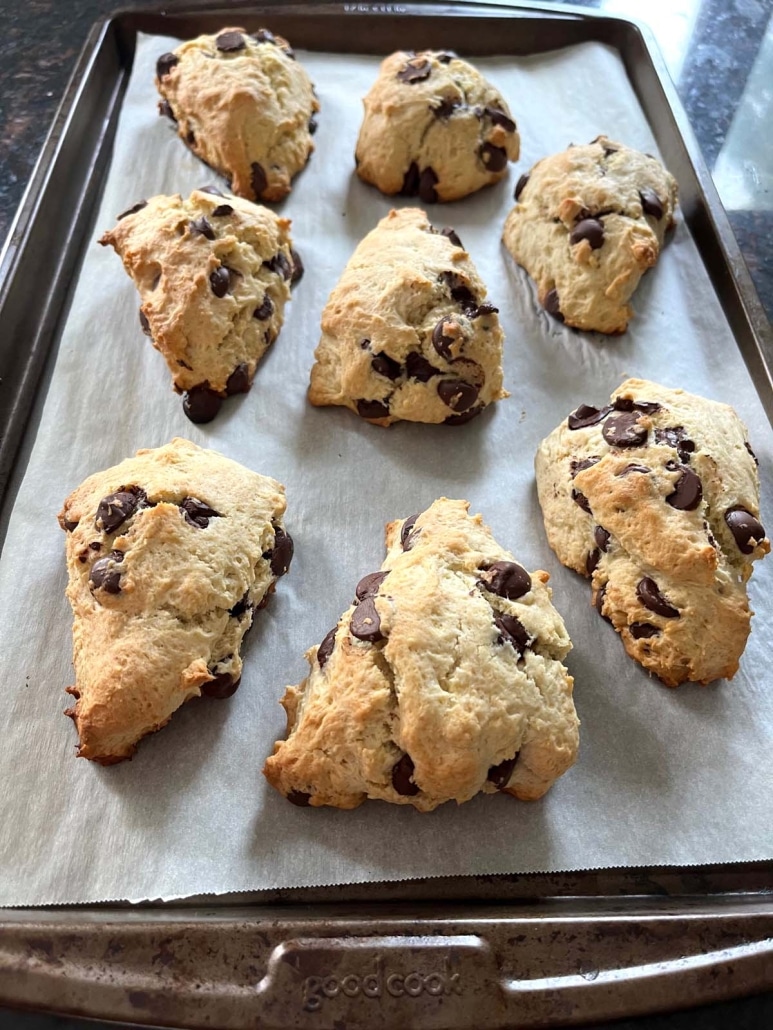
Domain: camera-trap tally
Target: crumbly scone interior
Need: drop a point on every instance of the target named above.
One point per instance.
(433, 686)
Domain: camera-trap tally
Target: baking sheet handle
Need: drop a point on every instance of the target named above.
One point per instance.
(561, 961)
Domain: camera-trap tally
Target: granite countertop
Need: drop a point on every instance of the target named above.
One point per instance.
(720, 55)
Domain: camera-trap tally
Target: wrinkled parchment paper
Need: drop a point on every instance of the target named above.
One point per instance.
(663, 776)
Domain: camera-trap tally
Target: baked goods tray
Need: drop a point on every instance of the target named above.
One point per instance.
(467, 952)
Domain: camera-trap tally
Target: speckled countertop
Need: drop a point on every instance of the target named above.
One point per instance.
(720, 55)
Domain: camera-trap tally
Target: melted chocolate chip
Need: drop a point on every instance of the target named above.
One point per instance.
(599, 603)
(624, 430)
(372, 409)
(201, 404)
(264, 36)
(165, 63)
(197, 513)
(327, 647)
(144, 324)
(116, 508)
(590, 229)
(222, 210)
(411, 180)
(417, 367)
(601, 536)
(368, 585)
(494, 158)
(498, 117)
(280, 264)
(383, 365)
(104, 575)
(632, 468)
(202, 227)
(241, 606)
(500, 774)
(190, 138)
(415, 71)
(406, 533)
(629, 404)
(587, 415)
(506, 579)
(165, 108)
(265, 311)
(674, 436)
(402, 777)
(298, 269)
(642, 630)
(452, 236)
(512, 630)
(239, 380)
(132, 210)
(592, 561)
(746, 529)
(446, 107)
(581, 500)
(221, 686)
(258, 179)
(457, 394)
(445, 56)
(464, 417)
(650, 596)
(299, 797)
(580, 466)
(427, 182)
(688, 492)
(552, 305)
(282, 552)
(748, 447)
(70, 527)
(460, 291)
(220, 281)
(482, 310)
(651, 203)
(365, 623)
(519, 186)
(230, 42)
(312, 125)
(440, 341)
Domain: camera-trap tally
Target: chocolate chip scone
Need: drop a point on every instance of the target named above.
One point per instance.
(244, 105)
(213, 273)
(169, 553)
(406, 333)
(434, 126)
(587, 224)
(444, 678)
(656, 497)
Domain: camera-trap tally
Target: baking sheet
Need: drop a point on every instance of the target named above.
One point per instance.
(664, 777)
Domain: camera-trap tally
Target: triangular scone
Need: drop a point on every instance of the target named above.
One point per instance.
(656, 497)
(406, 333)
(213, 273)
(587, 224)
(168, 554)
(243, 104)
(444, 678)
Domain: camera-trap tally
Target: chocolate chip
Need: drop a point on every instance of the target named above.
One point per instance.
(104, 575)
(513, 631)
(688, 492)
(327, 647)
(144, 323)
(368, 585)
(372, 409)
(297, 268)
(220, 281)
(70, 527)
(406, 533)
(440, 341)
(590, 229)
(459, 290)
(165, 63)
(632, 468)
(299, 798)
(202, 227)
(519, 186)
(241, 606)
(402, 777)
(211, 189)
(587, 415)
(601, 536)
(264, 36)
(674, 436)
(165, 108)
(239, 380)
(229, 42)
(280, 264)
(221, 686)
(629, 404)
(494, 158)
(190, 138)
(446, 107)
(266, 309)
(506, 579)
(222, 210)
(132, 210)
(201, 404)
(116, 508)
(427, 182)
(498, 117)
(500, 774)
(599, 603)
(651, 203)
(445, 56)
(582, 500)
(650, 596)
(417, 367)
(464, 417)
(746, 529)
(580, 466)
(365, 623)
(415, 71)
(748, 447)
(258, 179)
(383, 365)
(282, 552)
(457, 394)
(592, 561)
(411, 180)
(197, 513)
(551, 304)
(482, 310)
(624, 430)
(642, 630)
(452, 235)
(312, 125)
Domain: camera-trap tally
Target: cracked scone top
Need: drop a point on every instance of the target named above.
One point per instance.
(588, 222)
(656, 497)
(444, 678)
(168, 555)
(434, 127)
(406, 332)
(244, 105)
(213, 273)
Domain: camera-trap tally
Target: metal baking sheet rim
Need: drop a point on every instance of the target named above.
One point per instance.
(39, 943)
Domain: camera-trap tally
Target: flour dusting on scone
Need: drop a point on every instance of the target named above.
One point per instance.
(169, 554)
(434, 127)
(656, 497)
(214, 274)
(443, 679)
(243, 104)
(587, 224)
(407, 332)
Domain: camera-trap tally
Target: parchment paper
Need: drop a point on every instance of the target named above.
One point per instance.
(663, 776)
